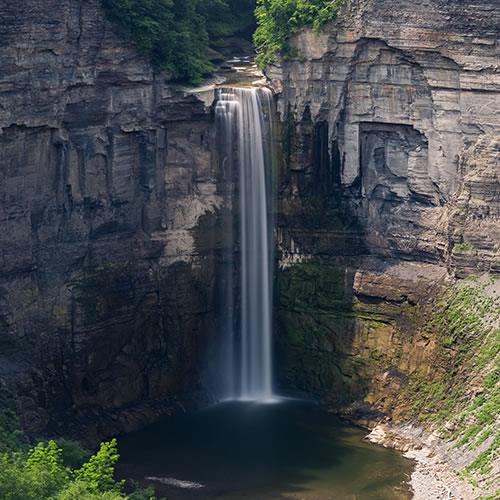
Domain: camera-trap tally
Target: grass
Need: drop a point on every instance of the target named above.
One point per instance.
(463, 387)
(482, 463)
(464, 247)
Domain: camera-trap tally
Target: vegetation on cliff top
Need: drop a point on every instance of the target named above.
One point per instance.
(278, 19)
(177, 33)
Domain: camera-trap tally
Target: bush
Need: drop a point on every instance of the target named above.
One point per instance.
(98, 472)
(38, 474)
(228, 17)
(278, 19)
(171, 31)
(79, 491)
(11, 436)
(41, 473)
(73, 455)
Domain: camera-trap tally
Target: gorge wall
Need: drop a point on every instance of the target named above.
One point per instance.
(109, 209)
(390, 193)
(112, 210)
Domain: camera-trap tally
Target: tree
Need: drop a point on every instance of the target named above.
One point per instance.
(98, 473)
(278, 19)
(177, 33)
(42, 473)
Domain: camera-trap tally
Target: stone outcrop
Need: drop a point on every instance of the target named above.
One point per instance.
(109, 210)
(396, 98)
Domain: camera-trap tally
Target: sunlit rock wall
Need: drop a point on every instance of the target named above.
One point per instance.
(389, 186)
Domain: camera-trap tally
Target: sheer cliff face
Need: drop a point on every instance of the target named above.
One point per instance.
(108, 217)
(111, 209)
(390, 184)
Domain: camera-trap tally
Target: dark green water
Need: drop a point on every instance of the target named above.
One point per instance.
(263, 451)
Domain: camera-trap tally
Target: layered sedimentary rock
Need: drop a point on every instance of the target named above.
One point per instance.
(109, 208)
(389, 198)
(390, 184)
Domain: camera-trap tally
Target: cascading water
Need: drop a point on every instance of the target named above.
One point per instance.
(244, 142)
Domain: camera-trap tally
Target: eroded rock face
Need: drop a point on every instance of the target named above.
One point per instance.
(109, 209)
(390, 187)
(398, 95)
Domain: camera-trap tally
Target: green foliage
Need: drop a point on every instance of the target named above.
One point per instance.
(176, 33)
(427, 395)
(73, 455)
(464, 389)
(228, 17)
(38, 474)
(464, 247)
(495, 496)
(470, 433)
(171, 31)
(77, 490)
(278, 19)
(140, 493)
(482, 463)
(41, 473)
(482, 438)
(11, 436)
(98, 472)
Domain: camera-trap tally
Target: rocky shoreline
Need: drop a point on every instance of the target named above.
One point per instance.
(435, 476)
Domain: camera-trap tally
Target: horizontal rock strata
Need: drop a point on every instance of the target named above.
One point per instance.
(109, 209)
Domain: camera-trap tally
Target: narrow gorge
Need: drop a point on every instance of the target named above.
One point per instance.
(325, 230)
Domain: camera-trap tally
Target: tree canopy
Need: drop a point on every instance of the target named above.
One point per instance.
(278, 19)
(44, 472)
(177, 33)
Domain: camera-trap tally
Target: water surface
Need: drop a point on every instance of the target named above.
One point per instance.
(262, 451)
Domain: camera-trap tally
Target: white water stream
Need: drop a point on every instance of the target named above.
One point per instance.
(244, 128)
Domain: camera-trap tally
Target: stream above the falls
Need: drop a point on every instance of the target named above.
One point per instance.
(290, 449)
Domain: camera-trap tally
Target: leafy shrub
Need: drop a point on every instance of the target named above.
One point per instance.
(171, 31)
(73, 455)
(278, 19)
(38, 474)
(11, 436)
(464, 247)
(228, 17)
(41, 473)
(79, 491)
(98, 472)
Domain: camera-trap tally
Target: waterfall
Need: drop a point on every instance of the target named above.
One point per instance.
(244, 143)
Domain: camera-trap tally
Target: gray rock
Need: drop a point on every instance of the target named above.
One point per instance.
(106, 186)
(394, 113)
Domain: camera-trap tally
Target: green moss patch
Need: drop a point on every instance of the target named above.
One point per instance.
(464, 387)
